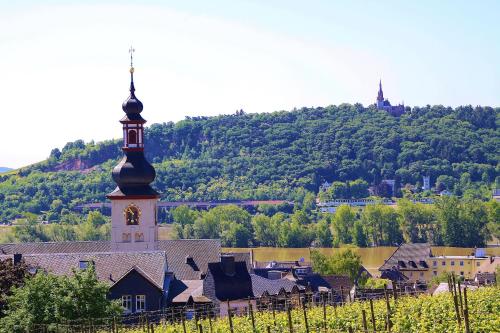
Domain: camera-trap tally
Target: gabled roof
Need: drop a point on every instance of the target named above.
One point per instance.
(110, 267)
(242, 256)
(338, 282)
(219, 286)
(410, 256)
(182, 291)
(260, 285)
(202, 252)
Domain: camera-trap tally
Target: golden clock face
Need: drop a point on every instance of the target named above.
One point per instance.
(132, 214)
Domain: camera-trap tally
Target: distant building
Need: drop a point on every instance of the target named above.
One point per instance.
(427, 183)
(496, 194)
(416, 263)
(384, 104)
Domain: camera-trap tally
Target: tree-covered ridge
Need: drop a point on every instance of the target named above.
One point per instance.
(272, 155)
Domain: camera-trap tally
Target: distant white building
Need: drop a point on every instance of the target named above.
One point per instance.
(427, 183)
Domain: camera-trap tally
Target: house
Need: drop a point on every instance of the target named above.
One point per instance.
(408, 262)
(485, 278)
(228, 283)
(415, 263)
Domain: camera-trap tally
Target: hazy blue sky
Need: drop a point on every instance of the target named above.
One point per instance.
(65, 63)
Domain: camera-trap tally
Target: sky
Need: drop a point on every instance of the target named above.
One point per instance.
(64, 64)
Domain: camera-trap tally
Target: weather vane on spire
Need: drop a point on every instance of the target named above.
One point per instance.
(131, 50)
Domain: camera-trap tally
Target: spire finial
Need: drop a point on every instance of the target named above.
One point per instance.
(131, 50)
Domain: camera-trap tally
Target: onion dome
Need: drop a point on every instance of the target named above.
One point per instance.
(132, 105)
(133, 174)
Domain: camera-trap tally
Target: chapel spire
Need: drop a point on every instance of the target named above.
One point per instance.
(380, 97)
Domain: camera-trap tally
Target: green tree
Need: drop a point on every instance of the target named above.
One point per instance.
(417, 221)
(382, 225)
(184, 215)
(49, 299)
(345, 262)
(323, 234)
(342, 225)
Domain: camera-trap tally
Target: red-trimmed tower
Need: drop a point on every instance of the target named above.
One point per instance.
(134, 201)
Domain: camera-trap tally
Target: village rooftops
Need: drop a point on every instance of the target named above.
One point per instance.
(200, 252)
(110, 267)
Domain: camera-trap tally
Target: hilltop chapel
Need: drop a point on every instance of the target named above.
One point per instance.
(384, 104)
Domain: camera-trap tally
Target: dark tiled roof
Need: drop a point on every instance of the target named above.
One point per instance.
(180, 291)
(338, 281)
(202, 251)
(315, 281)
(55, 247)
(273, 287)
(408, 256)
(218, 286)
(393, 275)
(242, 256)
(110, 266)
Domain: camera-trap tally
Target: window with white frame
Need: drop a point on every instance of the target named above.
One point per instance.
(140, 303)
(127, 303)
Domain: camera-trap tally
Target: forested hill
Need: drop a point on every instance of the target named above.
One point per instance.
(271, 155)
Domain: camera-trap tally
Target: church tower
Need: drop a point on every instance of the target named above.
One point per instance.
(134, 201)
(380, 96)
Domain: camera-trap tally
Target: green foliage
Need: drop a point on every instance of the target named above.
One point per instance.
(11, 276)
(50, 299)
(275, 155)
(424, 313)
(345, 262)
(381, 225)
(463, 222)
(373, 283)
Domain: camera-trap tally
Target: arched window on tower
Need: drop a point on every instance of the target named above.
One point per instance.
(132, 137)
(132, 214)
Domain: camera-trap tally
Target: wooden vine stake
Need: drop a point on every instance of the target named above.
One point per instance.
(183, 313)
(466, 312)
(250, 310)
(305, 317)
(373, 316)
(289, 315)
(455, 301)
(365, 325)
(230, 317)
(324, 314)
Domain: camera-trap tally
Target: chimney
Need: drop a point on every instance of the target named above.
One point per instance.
(17, 258)
(227, 264)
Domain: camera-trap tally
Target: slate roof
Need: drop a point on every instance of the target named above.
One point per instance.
(56, 247)
(338, 281)
(242, 256)
(409, 257)
(273, 287)
(181, 291)
(218, 286)
(202, 251)
(110, 266)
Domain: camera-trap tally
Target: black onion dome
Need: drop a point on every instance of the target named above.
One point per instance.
(133, 174)
(132, 104)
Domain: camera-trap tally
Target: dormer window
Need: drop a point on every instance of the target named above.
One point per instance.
(132, 214)
(84, 264)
